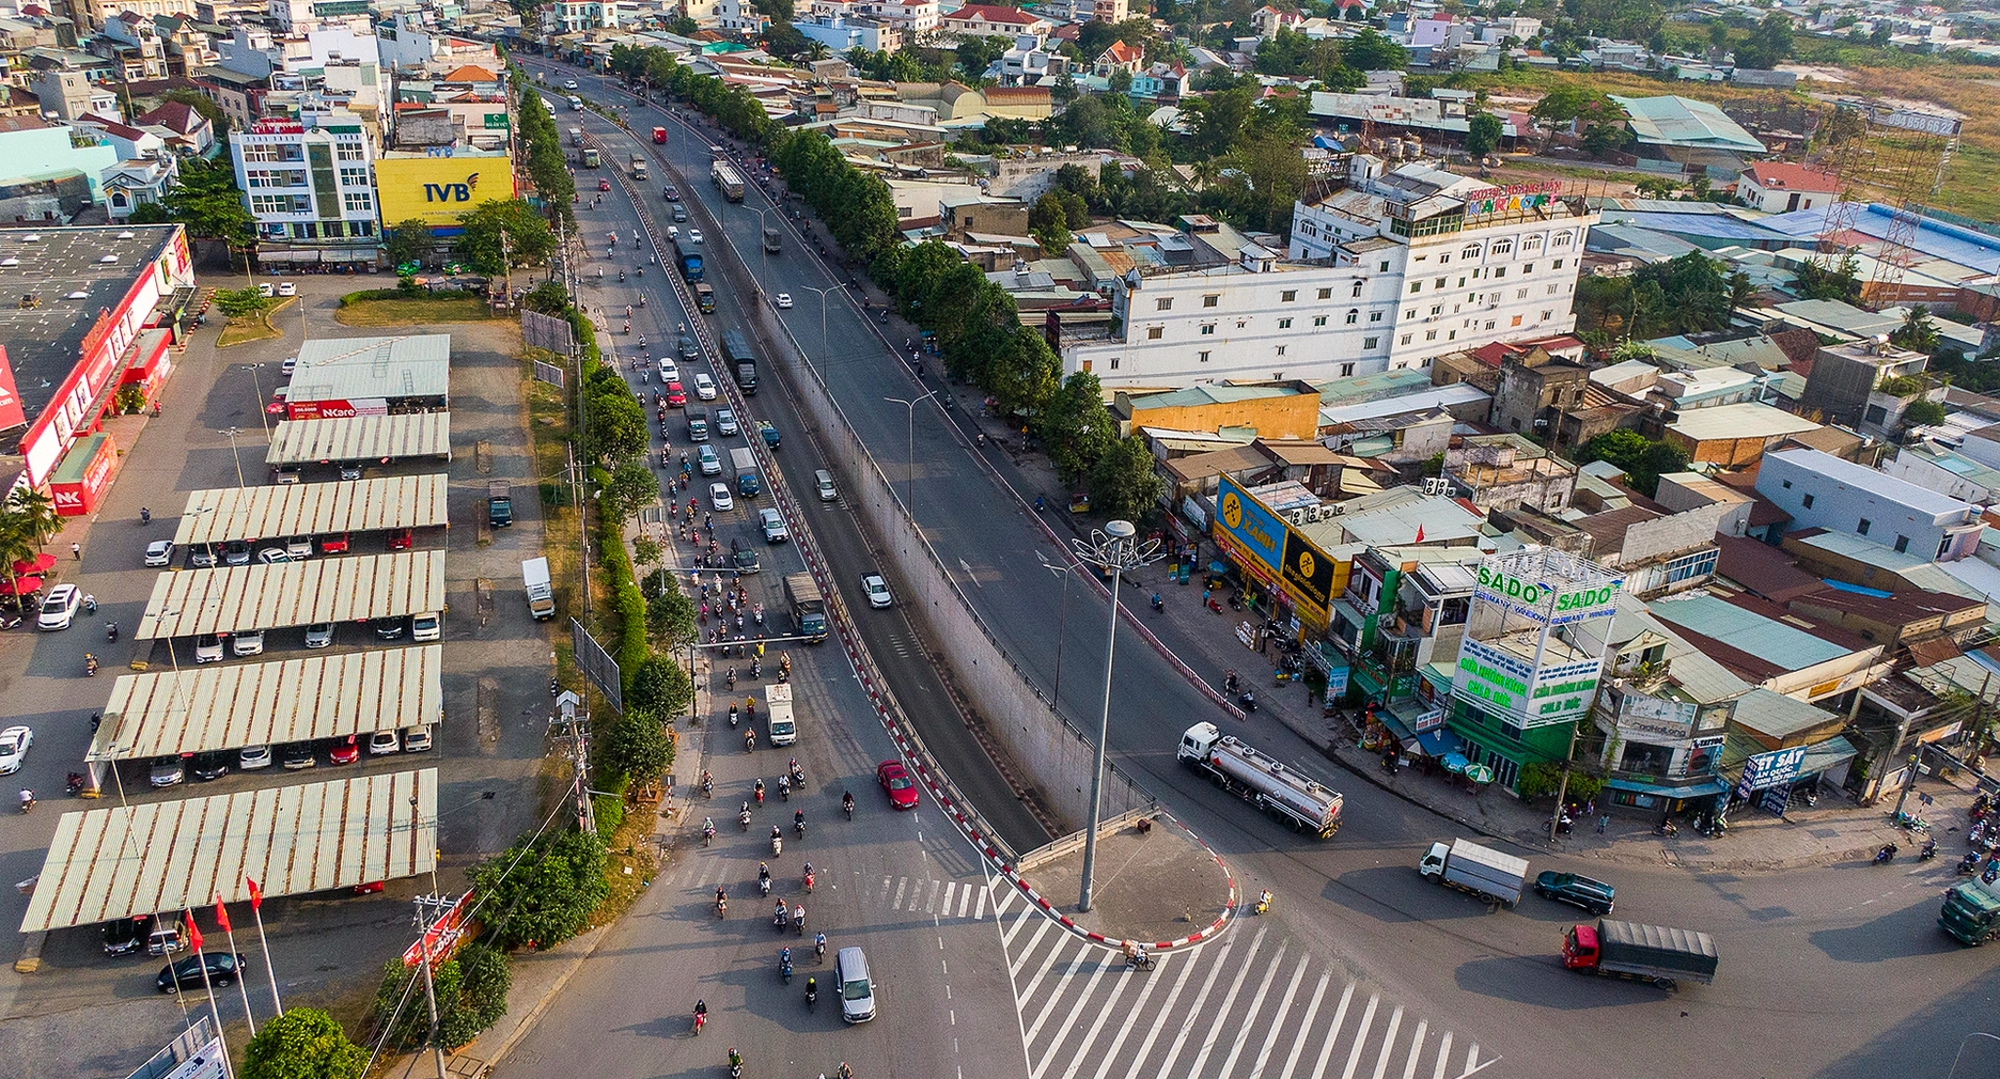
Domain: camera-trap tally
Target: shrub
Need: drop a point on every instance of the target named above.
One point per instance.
(303, 1043)
(547, 898)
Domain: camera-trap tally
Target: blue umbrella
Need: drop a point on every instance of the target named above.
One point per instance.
(1454, 762)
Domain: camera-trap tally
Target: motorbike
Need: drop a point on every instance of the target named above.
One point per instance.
(764, 887)
(111, 631)
(847, 805)
(785, 966)
(735, 716)
(621, 275)
(145, 516)
(1247, 701)
(784, 789)
(780, 917)
(743, 819)
(1886, 854)
(722, 908)
(1263, 902)
(1157, 605)
(749, 741)
(9, 623)
(1969, 864)
(730, 678)
(707, 835)
(1912, 822)
(812, 993)
(73, 784)
(798, 776)
(777, 845)
(89, 665)
(735, 1065)
(707, 787)
(819, 948)
(1141, 960)
(27, 800)
(1928, 851)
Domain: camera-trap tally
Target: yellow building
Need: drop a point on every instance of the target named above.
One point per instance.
(1274, 410)
(439, 190)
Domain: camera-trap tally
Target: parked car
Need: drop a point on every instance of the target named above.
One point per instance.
(417, 740)
(389, 629)
(221, 970)
(426, 627)
(126, 936)
(285, 474)
(350, 470)
(400, 539)
(236, 553)
(160, 553)
(166, 771)
(14, 745)
(201, 556)
(210, 766)
(247, 644)
(383, 743)
(272, 556)
(319, 635)
(291, 364)
(266, 289)
(344, 750)
(897, 784)
(251, 758)
(297, 755)
(334, 544)
(59, 607)
(286, 288)
(1577, 890)
(208, 648)
(299, 547)
(877, 590)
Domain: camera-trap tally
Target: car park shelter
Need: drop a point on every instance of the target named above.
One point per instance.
(361, 438)
(238, 599)
(167, 856)
(369, 376)
(312, 509)
(319, 696)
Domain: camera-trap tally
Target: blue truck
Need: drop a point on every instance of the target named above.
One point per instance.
(688, 256)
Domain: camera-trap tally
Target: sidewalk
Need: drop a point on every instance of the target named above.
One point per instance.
(1160, 886)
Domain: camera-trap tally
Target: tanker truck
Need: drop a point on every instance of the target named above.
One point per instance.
(1283, 793)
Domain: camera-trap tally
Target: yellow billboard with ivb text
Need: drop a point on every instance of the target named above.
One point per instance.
(439, 190)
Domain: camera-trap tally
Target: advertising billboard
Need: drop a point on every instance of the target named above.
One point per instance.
(1249, 529)
(439, 190)
(1502, 684)
(336, 409)
(1256, 531)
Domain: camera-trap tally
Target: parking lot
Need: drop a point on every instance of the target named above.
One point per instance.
(85, 1013)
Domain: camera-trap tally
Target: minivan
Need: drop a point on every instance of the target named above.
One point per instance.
(857, 992)
(823, 480)
(424, 627)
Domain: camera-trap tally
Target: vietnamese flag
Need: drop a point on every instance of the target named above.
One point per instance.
(194, 932)
(1420, 533)
(221, 914)
(256, 894)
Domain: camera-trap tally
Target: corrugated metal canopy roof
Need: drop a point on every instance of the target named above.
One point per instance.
(118, 862)
(361, 438)
(221, 514)
(235, 599)
(350, 368)
(293, 700)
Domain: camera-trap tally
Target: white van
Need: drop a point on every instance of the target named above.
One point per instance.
(857, 992)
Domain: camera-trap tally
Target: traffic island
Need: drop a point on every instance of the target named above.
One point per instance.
(1154, 882)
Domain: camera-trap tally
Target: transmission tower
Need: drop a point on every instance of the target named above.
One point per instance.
(1915, 152)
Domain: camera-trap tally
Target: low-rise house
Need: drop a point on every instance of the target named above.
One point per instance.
(1501, 472)
(1778, 187)
(183, 129)
(1819, 490)
(1733, 436)
(1769, 646)
(1282, 410)
(1768, 726)
(131, 184)
(986, 20)
(1659, 553)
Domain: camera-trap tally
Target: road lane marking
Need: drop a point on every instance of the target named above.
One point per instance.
(965, 900)
(1007, 937)
(1249, 1022)
(1361, 1035)
(1028, 951)
(1333, 1031)
(1306, 1026)
(1084, 985)
(930, 904)
(901, 884)
(1284, 1009)
(1153, 1031)
(1389, 1042)
(1054, 960)
(1103, 1014)
(1222, 1012)
(1416, 1050)
(1195, 1012)
(950, 887)
(1444, 1056)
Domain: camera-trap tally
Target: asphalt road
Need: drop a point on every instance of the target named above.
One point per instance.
(1833, 971)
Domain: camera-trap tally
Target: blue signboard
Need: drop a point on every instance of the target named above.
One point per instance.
(1256, 530)
(1773, 769)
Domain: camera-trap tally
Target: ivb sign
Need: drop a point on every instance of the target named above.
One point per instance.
(450, 192)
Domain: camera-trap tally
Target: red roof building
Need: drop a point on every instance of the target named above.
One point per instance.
(1781, 186)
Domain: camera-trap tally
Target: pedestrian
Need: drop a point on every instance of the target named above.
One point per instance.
(1590, 808)
(76, 551)
(156, 410)
(1603, 822)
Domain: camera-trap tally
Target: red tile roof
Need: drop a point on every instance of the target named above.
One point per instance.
(1788, 176)
(176, 116)
(471, 73)
(993, 13)
(1121, 53)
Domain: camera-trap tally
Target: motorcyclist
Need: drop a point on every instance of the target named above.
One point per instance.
(819, 947)
(27, 799)
(847, 803)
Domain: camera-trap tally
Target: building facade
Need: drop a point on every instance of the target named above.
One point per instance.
(1820, 490)
(310, 188)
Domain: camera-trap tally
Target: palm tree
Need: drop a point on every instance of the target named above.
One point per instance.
(38, 509)
(16, 545)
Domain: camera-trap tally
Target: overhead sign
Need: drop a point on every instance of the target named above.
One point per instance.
(1517, 583)
(1256, 530)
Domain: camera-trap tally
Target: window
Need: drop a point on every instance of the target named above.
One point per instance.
(1558, 264)
(1369, 342)
(1787, 484)
(1153, 333)
(1114, 363)
(1444, 259)
(1499, 272)
(1552, 290)
(1281, 350)
(1357, 290)
(1902, 545)
(1471, 252)
(1204, 356)
(1319, 320)
(1382, 266)
(1437, 309)
(358, 201)
(1562, 239)
(1807, 501)
(1284, 324)
(1353, 316)
(1416, 287)
(1410, 312)
(1208, 329)
(1862, 528)
(1440, 283)
(1346, 370)
(1461, 282)
(1529, 268)
(354, 177)
(1546, 315)
(1531, 243)
(1501, 247)
(349, 150)
(1689, 567)
(1489, 323)
(1516, 322)
(1374, 316)
(1430, 335)
(1403, 340)
(1520, 294)
(1288, 295)
(1242, 322)
(1327, 293)
(1211, 299)
(1164, 303)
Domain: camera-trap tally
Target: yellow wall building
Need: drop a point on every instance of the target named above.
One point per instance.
(439, 190)
(1282, 410)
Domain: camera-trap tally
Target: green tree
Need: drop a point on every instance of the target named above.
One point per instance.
(1923, 413)
(303, 1043)
(670, 617)
(1769, 45)
(36, 511)
(200, 102)
(548, 897)
(1917, 333)
(614, 423)
(549, 298)
(1370, 51)
(1076, 427)
(1482, 134)
(245, 303)
(209, 203)
(636, 746)
(1643, 460)
(504, 233)
(1048, 223)
(1816, 280)
(1600, 139)
(632, 488)
(410, 241)
(660, 687)
(1123, 482)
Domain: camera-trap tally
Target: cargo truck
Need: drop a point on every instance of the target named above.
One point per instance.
(638, 166)
(659, 136)
(725, 177)
(688, 258)
(590, 157)
(1241, 769)
(784, 730)
(744, 464)
(1648, 953)
(704, 298)
(576, 136)
(1971, 913)
(499, 504)
(541, 598)
(742, 361)
(773, 240)
(1480, 871)
(808, 606)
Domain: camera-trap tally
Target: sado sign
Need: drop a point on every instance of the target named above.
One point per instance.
(1552, 604)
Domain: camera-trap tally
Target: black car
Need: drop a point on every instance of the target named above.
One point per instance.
(223, 970)
(746, 561)
(390, 629)
(297, 755)
(124, 936)
(1577, 890)
(209, 766)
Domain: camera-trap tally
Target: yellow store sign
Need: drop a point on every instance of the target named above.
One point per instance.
(439, 190)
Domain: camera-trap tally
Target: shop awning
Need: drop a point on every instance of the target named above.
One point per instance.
(1831, 753)
(1439, 742)
(1706, 788)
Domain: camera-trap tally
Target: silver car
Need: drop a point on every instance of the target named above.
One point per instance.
(160, 553)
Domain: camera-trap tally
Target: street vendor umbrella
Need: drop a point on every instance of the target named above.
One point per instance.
(26, 585)
(1479, 773)
(1454, 762)
(38, 564)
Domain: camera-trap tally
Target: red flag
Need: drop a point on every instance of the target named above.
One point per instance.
(221, 914)
(194, 932)
(256, 894)
(1420, 533)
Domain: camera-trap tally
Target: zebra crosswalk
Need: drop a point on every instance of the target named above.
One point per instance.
(1252, 1004)
(944, 899)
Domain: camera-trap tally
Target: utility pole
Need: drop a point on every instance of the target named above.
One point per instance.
(427, 907)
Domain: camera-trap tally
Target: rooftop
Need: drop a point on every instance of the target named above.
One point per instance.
(1745, 420)
(1208, 393)
(347, 368)
(1791, 176)
(1889, 488)
(1671, 120)
(1765, 570)
(1787, 647)
(1777, 716)
(73, 274)
(1393, 517)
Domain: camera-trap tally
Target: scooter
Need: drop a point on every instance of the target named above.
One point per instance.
(785, 966)
(777, 845)
(89, 665)
(1928, 851)
(1247, 701)
(812, 993)
(1263, 903)
(1886, 854)
(111, 631)
(1969, 864)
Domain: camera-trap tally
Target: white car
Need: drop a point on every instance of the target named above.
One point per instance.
(417, 740)
(773, 524)
(251, 758)
(159, 553)
(704, 387)
(711, 462)
(694, 236)
(784, 301)
(14, 743)
(247, 644)
(272, 556)
(286, 288)
(267, 289)
(59, 607)
(718, 497)
(570, 84)
(876, 589)
(208, 648)
(299, 547)
(319, 635)
(669, 370)
(725, 422)
(383, 743)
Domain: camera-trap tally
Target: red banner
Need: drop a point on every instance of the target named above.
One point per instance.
(443, 937)
(12, 414)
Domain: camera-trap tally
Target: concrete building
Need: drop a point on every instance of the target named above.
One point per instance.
(70, 94)
(1845, 385)
(1282, 411)
(1733, 436)
(310, 188)
(1819, 490)
(1950, 474)
(1507, 471)
(49, 172)
(1778, 187)
(985, 20)
(1659, 553)
(1534, 391)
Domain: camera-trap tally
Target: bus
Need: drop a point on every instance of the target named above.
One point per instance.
(590, 160)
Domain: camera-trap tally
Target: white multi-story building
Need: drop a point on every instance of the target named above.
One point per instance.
(1390, 272)
(309, 186)
(910, 16)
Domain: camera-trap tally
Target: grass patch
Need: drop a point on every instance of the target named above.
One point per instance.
(628, 848)
(407, 310)
(244, 331)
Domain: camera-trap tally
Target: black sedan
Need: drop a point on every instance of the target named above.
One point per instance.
(223, 970)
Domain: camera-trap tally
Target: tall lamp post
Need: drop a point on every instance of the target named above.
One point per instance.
(1113, 550)
(823, 294)
(910, 468)
(231, 434)
(1062, 621)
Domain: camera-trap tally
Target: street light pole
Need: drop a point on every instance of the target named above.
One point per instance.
(1115, 551)
(231, 435)
(823, 294)
(910, 470)
(1062, 620)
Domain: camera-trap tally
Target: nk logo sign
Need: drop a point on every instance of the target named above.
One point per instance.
(452, 192)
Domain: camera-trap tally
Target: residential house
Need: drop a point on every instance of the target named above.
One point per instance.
(183, 129)
(1950, 474)
(1765, 722)
(1118, 58)
(131, 143)
(986, 20)
(1164, 82)
(1660, 720)
(1782, 186)
(69, 93)
(1819, 490)
(1769, 646)
(310, 188)
(969, 211)
(1285, 410)
(1867, 384)
(1733, 436)
(1506, 471)
(1659, 553)
(129, 185)
(1535, 390)
(49, 172)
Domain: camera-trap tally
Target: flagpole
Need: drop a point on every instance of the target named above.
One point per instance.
(257, 911)
(214, 1012)
(242, 984)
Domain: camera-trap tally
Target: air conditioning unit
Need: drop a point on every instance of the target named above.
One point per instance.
(1436, 485)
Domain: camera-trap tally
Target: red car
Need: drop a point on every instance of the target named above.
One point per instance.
(333, 544)
(603, 185)
(897, 784)
(344, 750)
(399, 540)
(677, 396)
